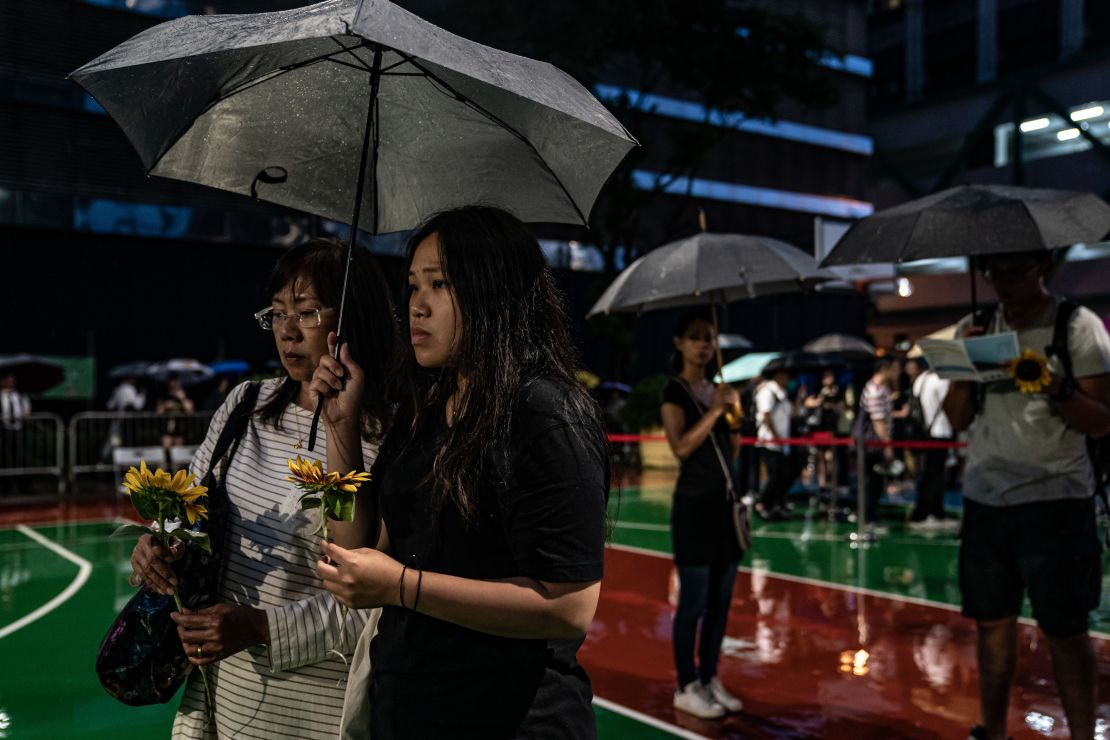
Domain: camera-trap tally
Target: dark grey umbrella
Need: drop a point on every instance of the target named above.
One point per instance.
(357, 107)
(710, 268)
(974, 220)
(352, 106)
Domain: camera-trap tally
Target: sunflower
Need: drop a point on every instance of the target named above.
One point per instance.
(180, 483)
(194, 511)
(1030, 371)
(310, 472)
(310, 475)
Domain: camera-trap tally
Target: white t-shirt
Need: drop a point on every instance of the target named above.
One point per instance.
(1019, 448)
(771, 398)
(930, 390)
(126, 398)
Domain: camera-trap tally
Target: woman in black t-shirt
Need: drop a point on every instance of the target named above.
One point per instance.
(706, 550)
(491, 492)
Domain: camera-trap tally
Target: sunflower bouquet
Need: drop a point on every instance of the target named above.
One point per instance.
(332, 493)
(1030, 371)
(160, 497)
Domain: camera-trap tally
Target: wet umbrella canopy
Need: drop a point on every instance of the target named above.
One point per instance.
(710, 267)
(285, 106)
(974, 220)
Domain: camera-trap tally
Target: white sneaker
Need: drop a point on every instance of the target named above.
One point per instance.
(928, 524)
(722, 697)
(694, 699)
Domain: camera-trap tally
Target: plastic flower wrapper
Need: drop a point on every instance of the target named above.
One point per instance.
(1030, 371)
(334, 495)
(159, 497)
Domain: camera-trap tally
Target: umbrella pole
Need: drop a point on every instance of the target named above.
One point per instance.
(369, 137)
(974, 285)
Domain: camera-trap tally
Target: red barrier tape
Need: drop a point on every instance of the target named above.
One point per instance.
(821, 441)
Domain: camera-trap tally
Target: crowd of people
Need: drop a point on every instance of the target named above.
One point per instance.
(457, 598)
(1034, 465)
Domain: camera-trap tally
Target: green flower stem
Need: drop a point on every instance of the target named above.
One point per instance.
(210, 705)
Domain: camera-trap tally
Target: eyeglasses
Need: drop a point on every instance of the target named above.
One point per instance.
(268, 318)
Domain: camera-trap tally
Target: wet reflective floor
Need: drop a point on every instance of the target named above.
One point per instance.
(824, 640)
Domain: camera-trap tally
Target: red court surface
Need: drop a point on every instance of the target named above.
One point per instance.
(793, 654)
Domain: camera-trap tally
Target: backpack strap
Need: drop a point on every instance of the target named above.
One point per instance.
(1058, 348)
(1065, 309)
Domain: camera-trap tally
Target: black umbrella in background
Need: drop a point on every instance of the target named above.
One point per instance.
(843, 347)
(33, 375)
(974, 221)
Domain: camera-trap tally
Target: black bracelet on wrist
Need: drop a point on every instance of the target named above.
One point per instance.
(419, 583)
(401, 588)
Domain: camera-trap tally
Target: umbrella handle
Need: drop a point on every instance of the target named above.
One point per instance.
(736, 413)
(320, 406)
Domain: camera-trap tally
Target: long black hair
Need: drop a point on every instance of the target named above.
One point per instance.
(514, 330)
(369, 321)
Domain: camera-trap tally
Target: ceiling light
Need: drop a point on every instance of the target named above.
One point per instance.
(1035, 125)
(1082, 115)
(1068, 134)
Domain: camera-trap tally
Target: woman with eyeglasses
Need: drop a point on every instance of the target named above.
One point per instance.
(706, 549)
(277, 647)
(487, 556)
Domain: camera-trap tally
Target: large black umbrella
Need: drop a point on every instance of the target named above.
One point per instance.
(710, 268)
(33, 374)
(973, 221)
(357, 109)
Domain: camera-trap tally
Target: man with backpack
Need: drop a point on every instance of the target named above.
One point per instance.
(1029, 519)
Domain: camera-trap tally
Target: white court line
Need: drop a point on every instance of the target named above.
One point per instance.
(84, 570)
(647, 719)
(813, 537)
(841, 587)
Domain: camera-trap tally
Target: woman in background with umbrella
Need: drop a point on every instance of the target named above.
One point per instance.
(492, 487)
(706, 550)
(272, 645)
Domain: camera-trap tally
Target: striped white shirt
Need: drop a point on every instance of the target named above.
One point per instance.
(293, 688)
(877, 402)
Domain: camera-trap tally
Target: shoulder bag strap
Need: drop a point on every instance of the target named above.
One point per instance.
(228, 441)
(730, 489)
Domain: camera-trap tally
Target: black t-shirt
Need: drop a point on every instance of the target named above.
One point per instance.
(540, 513)
(700, 474)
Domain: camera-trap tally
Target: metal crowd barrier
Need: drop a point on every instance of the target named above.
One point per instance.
(95, 436)
(35, 446)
